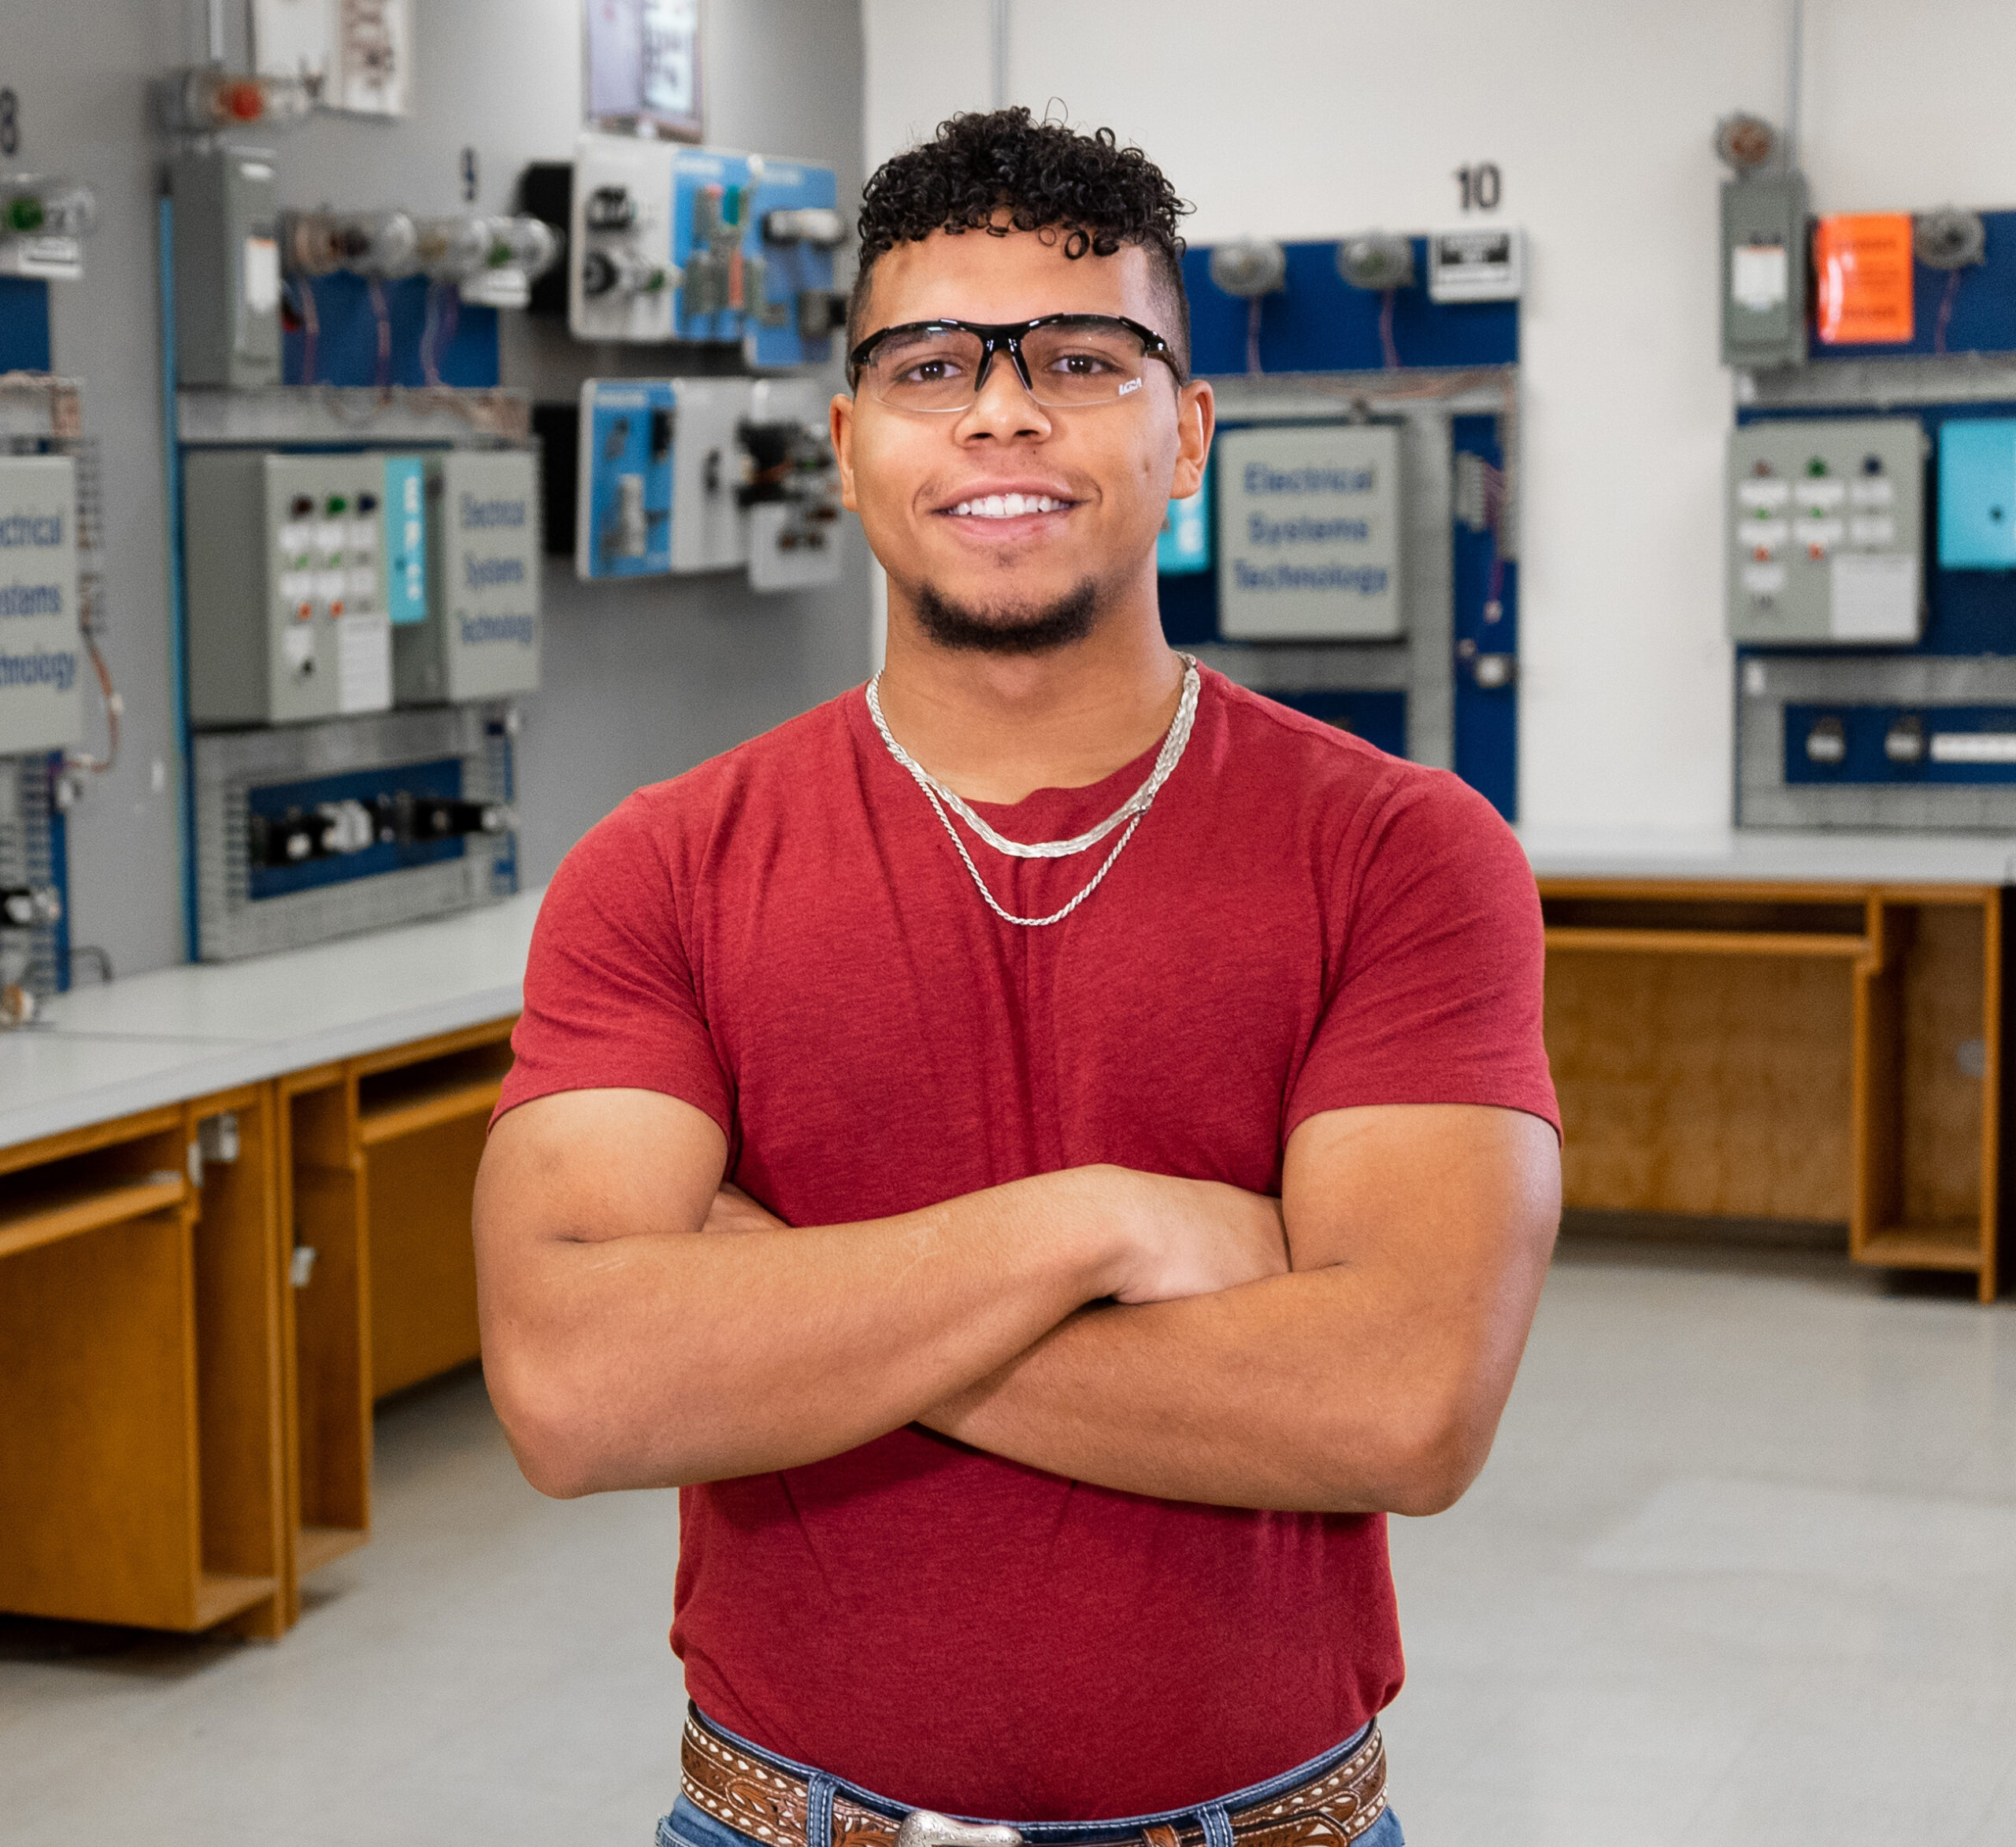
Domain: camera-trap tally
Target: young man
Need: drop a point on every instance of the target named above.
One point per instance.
(1143, 1158)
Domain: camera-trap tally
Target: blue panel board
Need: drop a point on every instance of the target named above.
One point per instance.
(1975, 301)
(1865, 759)
(695, 171)
(405, 524)
(1968, 612)
(23, 323)
(791, 269)
(1379, 718)
(428, 322)
(1319, 323)
(1487, 619)
(1977, 494)
(442, 778)
(627, 434)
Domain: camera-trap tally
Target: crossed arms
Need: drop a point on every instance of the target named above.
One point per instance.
(1348, 1348)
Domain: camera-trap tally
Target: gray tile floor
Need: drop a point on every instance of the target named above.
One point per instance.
(1742, 1570)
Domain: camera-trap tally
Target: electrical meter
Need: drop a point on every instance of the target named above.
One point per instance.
(298, 568)
(1825, 526)
(1309, 533)
(479, 637)
(40, 706)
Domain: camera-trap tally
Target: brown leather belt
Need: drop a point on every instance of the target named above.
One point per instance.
(761, 1799)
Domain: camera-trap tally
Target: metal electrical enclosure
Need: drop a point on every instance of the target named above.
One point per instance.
(1309, 533)
(480, 636)
(1764, 270)
(40, 645)
(1826, 531)
(227, 267)
(298, 566)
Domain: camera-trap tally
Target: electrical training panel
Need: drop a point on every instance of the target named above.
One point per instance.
(691, 244)
(1351, 551)
(298, 566)
(41, 646)
(1826, 531)
(680, 476)
(479, 636)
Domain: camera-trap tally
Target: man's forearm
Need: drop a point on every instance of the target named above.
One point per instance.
(1287, 1393)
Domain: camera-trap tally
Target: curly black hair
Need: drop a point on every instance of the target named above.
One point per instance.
(1003, 171)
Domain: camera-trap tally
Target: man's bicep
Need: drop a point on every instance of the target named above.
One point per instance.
(1445, 1195)
(583, 1166)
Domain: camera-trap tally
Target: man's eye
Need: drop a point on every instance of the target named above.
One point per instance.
(1083, 365)
(928, 371)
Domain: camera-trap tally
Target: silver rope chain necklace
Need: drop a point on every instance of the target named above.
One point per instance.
(1131, 811)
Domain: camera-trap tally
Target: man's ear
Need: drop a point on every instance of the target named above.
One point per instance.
(1196, 417)
(841, 416)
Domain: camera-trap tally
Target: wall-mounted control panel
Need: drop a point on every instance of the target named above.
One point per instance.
(792, 494)
(1309, 533)
(298, 568)
(1826, 531)
(623, 479)
(41, 646)
(704, 244)
(480, 636)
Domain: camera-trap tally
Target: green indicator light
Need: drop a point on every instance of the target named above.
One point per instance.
(1817, 466)
(24, 212)
(337, 504)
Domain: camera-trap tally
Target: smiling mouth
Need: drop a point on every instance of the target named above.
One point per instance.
(1008, 506)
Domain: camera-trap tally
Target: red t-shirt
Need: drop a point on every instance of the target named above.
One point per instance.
(785, 938)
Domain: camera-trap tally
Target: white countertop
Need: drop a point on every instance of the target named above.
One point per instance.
(98, 1053)
(1765, 855)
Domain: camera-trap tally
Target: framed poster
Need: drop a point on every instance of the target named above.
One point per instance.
(354, 55)
(644, 64)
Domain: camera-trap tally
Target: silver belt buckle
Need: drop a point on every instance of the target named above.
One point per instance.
(923, 1828)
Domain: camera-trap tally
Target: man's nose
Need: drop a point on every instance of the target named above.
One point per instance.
(1002, 405)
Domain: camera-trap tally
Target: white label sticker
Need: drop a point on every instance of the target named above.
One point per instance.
(1762, 496)
(262, 274)
(1759, 276)
(1764, 580)
(363, 662)
(1770, 533)
(297, 646)
(1872, 490)
(1821, 496)
(1875, 598)
(1873, 529)
(1974, 747)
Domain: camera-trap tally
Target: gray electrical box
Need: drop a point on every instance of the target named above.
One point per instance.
(298, 567)
(1764, 270)
(1825, 523)
(1309, 533)
(41, 646)
(227, 267)
(479, 637)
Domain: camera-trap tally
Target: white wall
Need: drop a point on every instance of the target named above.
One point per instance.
(1306, 120)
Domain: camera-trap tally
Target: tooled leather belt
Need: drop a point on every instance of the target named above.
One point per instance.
(761, 1799)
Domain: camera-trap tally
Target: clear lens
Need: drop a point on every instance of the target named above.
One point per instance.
(1083, 361)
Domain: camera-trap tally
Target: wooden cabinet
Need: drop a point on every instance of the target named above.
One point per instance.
(1824, 1052)
(191, 1347)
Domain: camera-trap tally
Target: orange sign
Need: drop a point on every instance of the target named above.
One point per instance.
(1863, 274)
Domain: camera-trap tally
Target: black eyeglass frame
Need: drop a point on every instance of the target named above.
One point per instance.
(1007, 335)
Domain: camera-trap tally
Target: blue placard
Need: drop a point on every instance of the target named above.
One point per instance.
(404, 538)
(23, 323)
(1947, 731)
(1185, 544)
(441, 778)
(623, 524)
(1977, 494)
(707, 183)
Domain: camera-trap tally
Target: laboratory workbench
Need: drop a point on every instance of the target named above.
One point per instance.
(234, 1213)
(1786, 1027)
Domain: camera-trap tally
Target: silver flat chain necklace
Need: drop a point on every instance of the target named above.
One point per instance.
(1130, 811)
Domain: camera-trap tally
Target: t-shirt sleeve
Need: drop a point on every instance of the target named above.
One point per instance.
(1435, 994)
(610, 999)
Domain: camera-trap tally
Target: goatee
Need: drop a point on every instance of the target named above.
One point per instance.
(1009, 630)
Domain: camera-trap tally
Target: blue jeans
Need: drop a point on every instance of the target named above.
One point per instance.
(689, 1827)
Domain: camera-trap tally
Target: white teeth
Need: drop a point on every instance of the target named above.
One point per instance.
(1007, 506)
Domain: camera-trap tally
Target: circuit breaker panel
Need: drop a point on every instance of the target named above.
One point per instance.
(1826, 531)
(298, 568)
